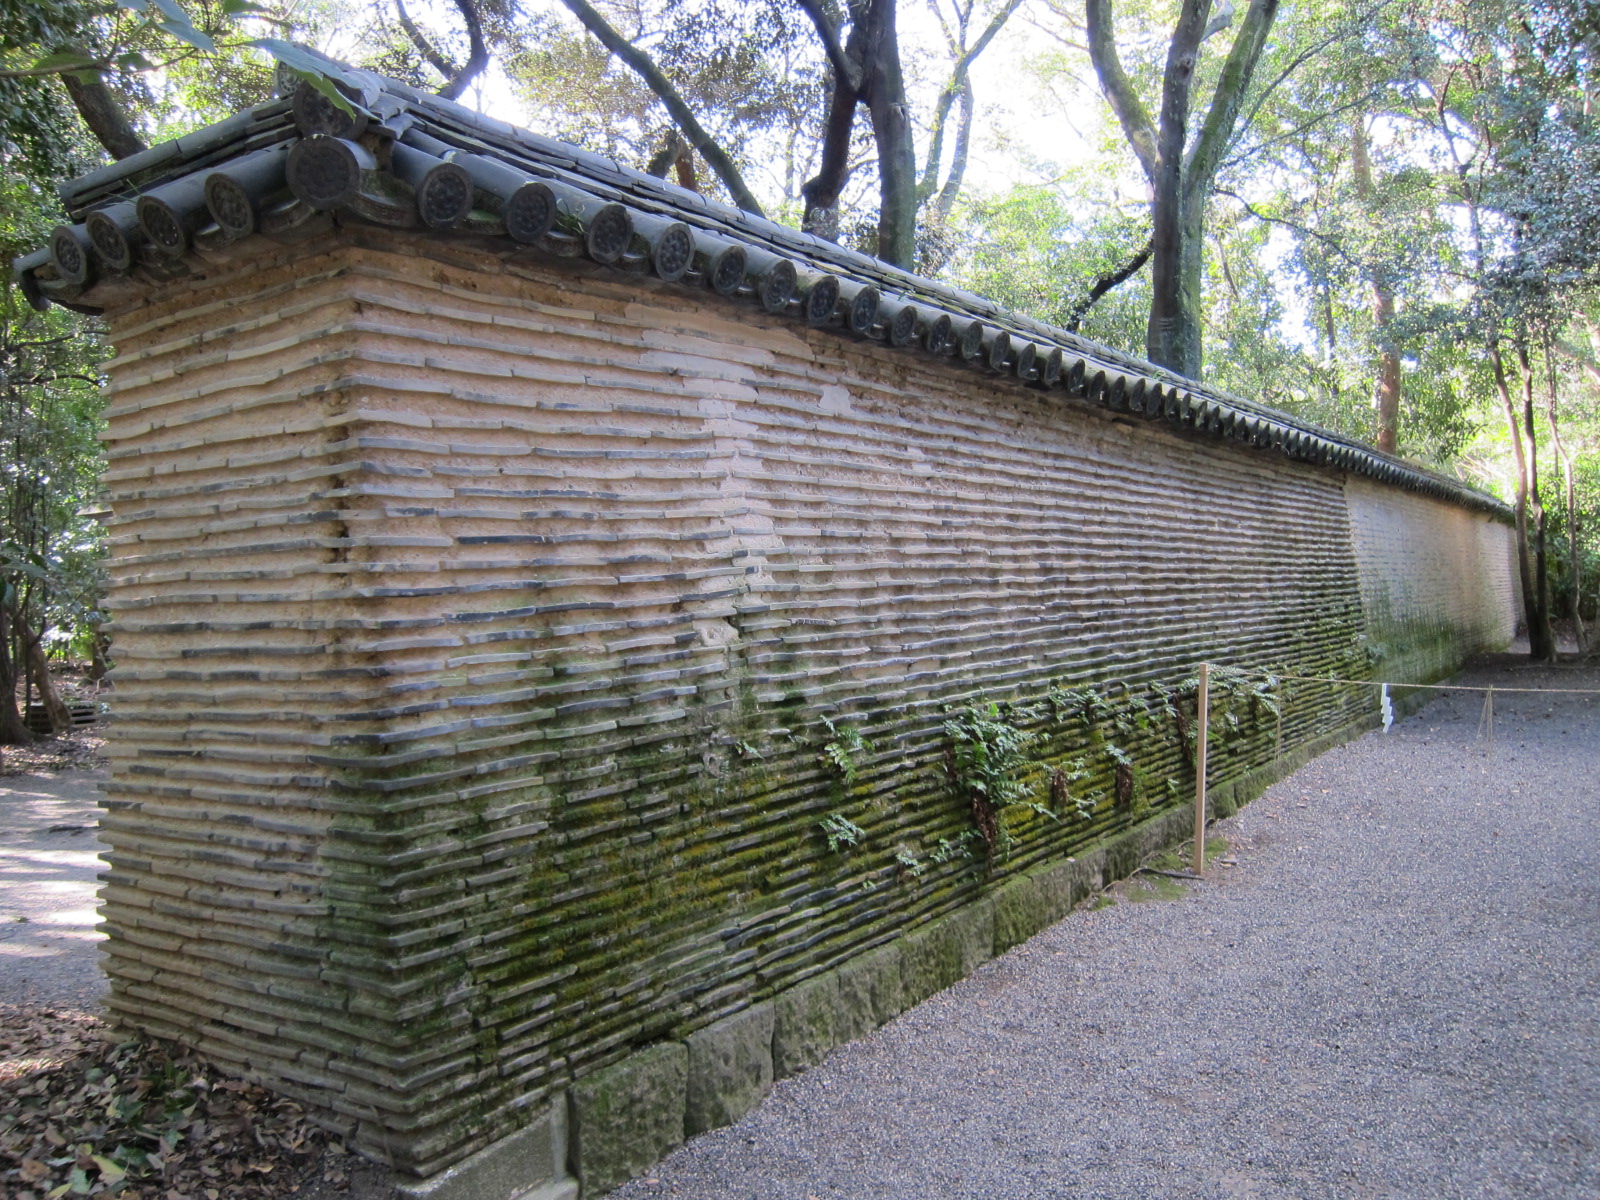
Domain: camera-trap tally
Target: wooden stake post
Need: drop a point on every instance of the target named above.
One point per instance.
(1203, 703)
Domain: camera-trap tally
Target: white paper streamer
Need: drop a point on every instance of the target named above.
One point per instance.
(1388, 709)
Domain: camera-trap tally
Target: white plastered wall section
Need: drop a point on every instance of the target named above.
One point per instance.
(1438, 582)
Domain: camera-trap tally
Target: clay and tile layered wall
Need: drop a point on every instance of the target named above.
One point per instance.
(479, 622)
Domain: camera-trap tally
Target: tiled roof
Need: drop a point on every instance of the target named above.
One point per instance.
(408, 159)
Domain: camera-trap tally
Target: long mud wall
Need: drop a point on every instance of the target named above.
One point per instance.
(533, 688)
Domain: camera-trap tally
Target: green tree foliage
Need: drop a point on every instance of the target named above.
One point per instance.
(1042, 250)
(1403, 232)
(744, 73)
(1399, 222)
(50, 418)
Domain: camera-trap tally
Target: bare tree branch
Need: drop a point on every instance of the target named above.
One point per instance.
(1223, 115)
(1220, 20)
(952, 39)
(1305, 230)
(954, 87)
(431, 54)
(41, 380)
(821, 191)
(1105, 283)
(477, 59)
(845, 72)
(103, 113)
(39, 72)
(55, 341)
(1321, 46)
(675, 104)
(457, 77)
(1576, 354)
(958, 162)
(1118, 88)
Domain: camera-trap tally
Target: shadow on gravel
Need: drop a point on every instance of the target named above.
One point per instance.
(49, 909)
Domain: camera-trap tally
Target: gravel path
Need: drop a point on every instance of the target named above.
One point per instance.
(49, 857)
(1392, 993)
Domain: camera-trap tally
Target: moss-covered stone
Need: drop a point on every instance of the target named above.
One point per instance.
(805, 1025)
(1165, 829)
(1064, 884)
(629, 1116)
(1121, 856)
(946, 950)
(1019, 912)
(531, 1161)
(870, 992)
(730, 1068)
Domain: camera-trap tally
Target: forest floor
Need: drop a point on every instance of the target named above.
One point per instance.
(82, 1107)
(1388, 985)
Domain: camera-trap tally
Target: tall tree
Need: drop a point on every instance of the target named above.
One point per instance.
(1383, 304)
(1180, 169)
(720, 161)
(50, 407)
(867, 72)
(1573, 521)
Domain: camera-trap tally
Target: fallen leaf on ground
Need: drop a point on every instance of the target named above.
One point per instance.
(85, 1110)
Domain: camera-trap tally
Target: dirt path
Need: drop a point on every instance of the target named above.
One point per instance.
(1392, 993)
(49, 857)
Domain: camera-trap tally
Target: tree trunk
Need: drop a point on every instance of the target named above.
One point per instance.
(103, 113)
(1539, 638)
(55, 709)
(1180, 182)
(1188, 344)
(1173, 337)
(821, 192)
(1536, 518)
(477, 55)
(884, 88)
(1382, 305)
(100, 647)
(13, 730)
(1388, 370)
(1575, 563)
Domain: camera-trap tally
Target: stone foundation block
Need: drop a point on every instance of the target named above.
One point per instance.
(1121, 855)
(730, 1068)
(805, 1025)
(1065, 884)
(529, 1164)
(1019, 912)
(949, 949)
(629, 1116)
(1164, 830)
(870, 992)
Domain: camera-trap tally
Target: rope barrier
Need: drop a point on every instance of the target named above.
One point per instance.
(1485, 725)
(1439, 687)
